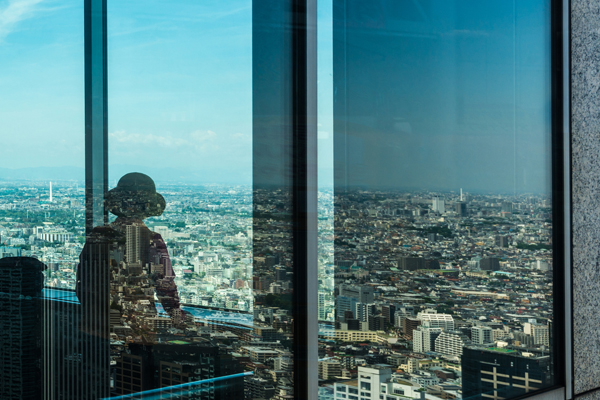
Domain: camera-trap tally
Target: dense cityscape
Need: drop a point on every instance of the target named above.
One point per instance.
(420, 292)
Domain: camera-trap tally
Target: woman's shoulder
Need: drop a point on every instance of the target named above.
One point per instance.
(102, 233)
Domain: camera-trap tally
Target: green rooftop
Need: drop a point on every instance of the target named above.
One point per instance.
(501, 350)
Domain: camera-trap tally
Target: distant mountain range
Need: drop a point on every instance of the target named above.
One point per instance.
(159, 174)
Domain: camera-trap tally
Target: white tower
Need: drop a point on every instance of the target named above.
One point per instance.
(461, 195)
(50, 191)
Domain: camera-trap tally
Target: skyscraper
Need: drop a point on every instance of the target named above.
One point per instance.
(502, 373)
(481, 334)
(21, 283)
(438, 205)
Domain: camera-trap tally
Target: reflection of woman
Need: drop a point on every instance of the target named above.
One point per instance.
(125, 266)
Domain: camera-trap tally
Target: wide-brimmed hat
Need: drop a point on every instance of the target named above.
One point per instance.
(135, 197)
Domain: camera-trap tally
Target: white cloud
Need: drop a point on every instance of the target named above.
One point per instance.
(242, 136)
(146, 140)
(15, 12)
(203, 136)
(199, 140)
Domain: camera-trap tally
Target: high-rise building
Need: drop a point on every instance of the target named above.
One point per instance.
(481, 335)
(501, 241)
(376, 322)
(409, 325)
(539, 332)
(438, 205)
(363, 293)
(410, 263)
(507, 206)
(489, 264)
(435, 320)
(363, 311)
(329, 369)
(375, 382)
(451, 343)
(418, 340)
(502, 373)
(388, 311)
(414, 263)
(322, 309)
(424, 339)
(344, 304)
(21, 283)
(461, 209)
(137, 240)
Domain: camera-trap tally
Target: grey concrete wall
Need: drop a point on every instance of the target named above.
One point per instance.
(585, 140)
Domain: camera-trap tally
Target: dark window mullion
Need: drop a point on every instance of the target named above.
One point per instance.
(96, 121)
(304, 200)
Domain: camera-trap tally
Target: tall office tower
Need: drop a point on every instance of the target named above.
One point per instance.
(502, 373)
(409, 325)
(461, 209)
(133, 247)
(322, 310)
(507, 206)
(451, 343)
(539, 332)
(344, 304)
(501, 241)
(438, 205)
(363, 311)
(21, 283)
(481, 335)
(489, 264)
(137, 240)
(363, 293)
(435, 320)
(388, 311)
(418, 340)
(403, 312)
(410, 263)
(133, 371)
(376, 322)
(280, 274)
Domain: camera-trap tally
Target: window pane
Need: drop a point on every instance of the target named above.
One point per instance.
(41, 109)
(42, 221)
(180, 197)
(442, 193)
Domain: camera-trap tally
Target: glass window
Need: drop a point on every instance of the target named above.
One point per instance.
(160, 232)
(42, 225)
(42, 113)
(442, 191)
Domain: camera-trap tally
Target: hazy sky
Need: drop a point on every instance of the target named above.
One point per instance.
(443, 94)
(41, 83)
(436, 93)
(180, 85)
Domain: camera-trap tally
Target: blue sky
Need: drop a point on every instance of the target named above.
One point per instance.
(443, 94)
(447, 111)
(41, 83)
(180, 85)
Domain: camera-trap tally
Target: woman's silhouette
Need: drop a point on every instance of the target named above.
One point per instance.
(124, 267)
